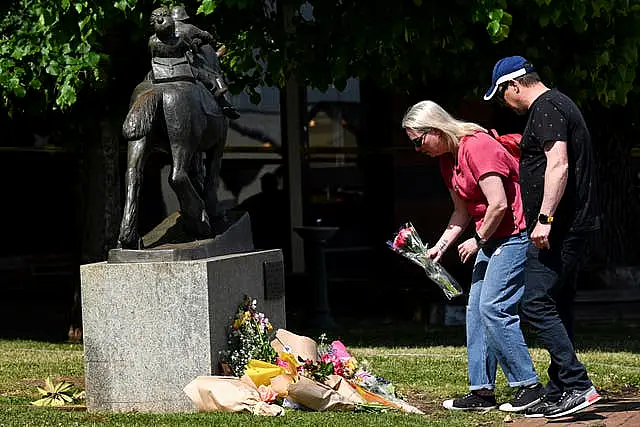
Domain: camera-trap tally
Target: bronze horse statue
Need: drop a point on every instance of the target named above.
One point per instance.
(183, 116)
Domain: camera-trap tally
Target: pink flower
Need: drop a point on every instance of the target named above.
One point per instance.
(282, 363)
(267, 394)
(340, 351)
(338, 368)
(402, 237)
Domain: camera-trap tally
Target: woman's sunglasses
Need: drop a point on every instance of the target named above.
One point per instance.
(417, 141)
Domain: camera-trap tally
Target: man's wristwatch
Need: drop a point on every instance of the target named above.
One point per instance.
(479, 240)
(544, 219)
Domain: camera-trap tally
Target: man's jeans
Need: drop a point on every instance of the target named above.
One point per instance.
(547, 304)
(493, 325)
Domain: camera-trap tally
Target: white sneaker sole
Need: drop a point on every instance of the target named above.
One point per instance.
(533, 415)
(506, 407)
(448, 404)
(580, 407)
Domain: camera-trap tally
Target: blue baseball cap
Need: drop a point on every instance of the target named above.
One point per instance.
(507, 69)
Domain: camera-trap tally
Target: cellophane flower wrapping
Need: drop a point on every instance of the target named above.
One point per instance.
(408, 243)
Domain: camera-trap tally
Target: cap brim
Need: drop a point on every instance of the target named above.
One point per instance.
(494, 87)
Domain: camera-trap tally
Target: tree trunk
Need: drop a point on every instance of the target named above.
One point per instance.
(99, 196)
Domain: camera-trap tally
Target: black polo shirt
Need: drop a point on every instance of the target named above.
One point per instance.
(553, 116)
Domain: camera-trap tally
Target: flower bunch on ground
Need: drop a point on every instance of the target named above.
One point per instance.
(249, 337)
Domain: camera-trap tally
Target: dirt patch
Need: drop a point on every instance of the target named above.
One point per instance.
(627, 391)
(423, 401)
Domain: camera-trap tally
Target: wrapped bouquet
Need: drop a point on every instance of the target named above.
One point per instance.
(407, 243)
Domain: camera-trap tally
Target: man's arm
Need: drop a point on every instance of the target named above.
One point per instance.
(555, 176)
(555, 182)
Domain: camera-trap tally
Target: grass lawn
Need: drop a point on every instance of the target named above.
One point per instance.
(426, 368)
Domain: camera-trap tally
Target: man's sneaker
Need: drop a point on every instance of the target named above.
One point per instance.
(573, 401)
(541, 408)
(525, 397)
(471, 402)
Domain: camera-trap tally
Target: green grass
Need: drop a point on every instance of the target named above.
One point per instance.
(426, 367)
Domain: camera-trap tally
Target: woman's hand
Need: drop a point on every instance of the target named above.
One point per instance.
(467, 249)
(434, 254)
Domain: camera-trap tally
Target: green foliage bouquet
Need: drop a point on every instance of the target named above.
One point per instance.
(250, 337)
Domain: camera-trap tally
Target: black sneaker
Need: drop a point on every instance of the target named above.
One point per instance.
(573, 401)
(525, 397)
(541, 408)
(471, 402)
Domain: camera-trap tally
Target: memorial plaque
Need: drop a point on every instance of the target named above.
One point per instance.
(273, 280)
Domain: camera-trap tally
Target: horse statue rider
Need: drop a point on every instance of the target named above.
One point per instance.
(173, 108)
(199, 55)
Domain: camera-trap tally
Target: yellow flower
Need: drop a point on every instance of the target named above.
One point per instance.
(269, 327)
(238, 323)
(247, 315)
(352, 364)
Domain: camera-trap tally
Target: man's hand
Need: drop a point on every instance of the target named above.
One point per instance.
(467, 249)
(540, 236)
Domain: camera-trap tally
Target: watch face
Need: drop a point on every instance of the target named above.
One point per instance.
(544, 219)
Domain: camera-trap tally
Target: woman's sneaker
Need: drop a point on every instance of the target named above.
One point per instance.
(525, 397)
(471, 402)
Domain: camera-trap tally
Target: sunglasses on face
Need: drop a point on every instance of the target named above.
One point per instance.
(417, 141)
(501, 91)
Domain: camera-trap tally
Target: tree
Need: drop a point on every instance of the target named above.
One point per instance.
(55, 53)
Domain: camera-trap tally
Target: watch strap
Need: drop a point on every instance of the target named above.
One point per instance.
(479, 240)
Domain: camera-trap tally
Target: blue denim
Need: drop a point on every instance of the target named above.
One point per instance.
(493, 325)
(548, 303)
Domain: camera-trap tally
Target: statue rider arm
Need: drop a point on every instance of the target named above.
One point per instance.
(204, 36)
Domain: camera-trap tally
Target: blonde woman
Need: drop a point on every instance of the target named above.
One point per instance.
(482, 178)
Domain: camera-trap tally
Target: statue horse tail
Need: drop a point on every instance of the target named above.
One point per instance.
(139, 120)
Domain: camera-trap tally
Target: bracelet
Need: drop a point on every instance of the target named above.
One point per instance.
(479, 240)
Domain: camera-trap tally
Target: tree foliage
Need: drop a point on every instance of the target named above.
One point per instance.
(53, 48)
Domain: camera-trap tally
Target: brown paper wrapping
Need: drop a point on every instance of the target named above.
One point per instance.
(228, 394)
(299, 346)
(317, 396)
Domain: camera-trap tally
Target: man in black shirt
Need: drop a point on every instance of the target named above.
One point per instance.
(557, 180)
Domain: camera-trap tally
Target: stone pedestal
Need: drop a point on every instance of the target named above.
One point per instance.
(152, 327)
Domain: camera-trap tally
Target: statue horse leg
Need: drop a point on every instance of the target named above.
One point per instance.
(214, 141)
(197, 173)
(136, 155)
(191, 204)
(212, 178)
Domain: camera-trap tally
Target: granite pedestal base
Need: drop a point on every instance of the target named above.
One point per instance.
(150, 328)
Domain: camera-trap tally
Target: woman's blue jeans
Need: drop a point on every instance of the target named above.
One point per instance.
(493, 325)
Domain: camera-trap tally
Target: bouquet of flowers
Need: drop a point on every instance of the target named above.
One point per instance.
(249, 338)
(407, 243)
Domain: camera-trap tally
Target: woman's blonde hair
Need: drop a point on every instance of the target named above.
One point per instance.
(428, 114)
